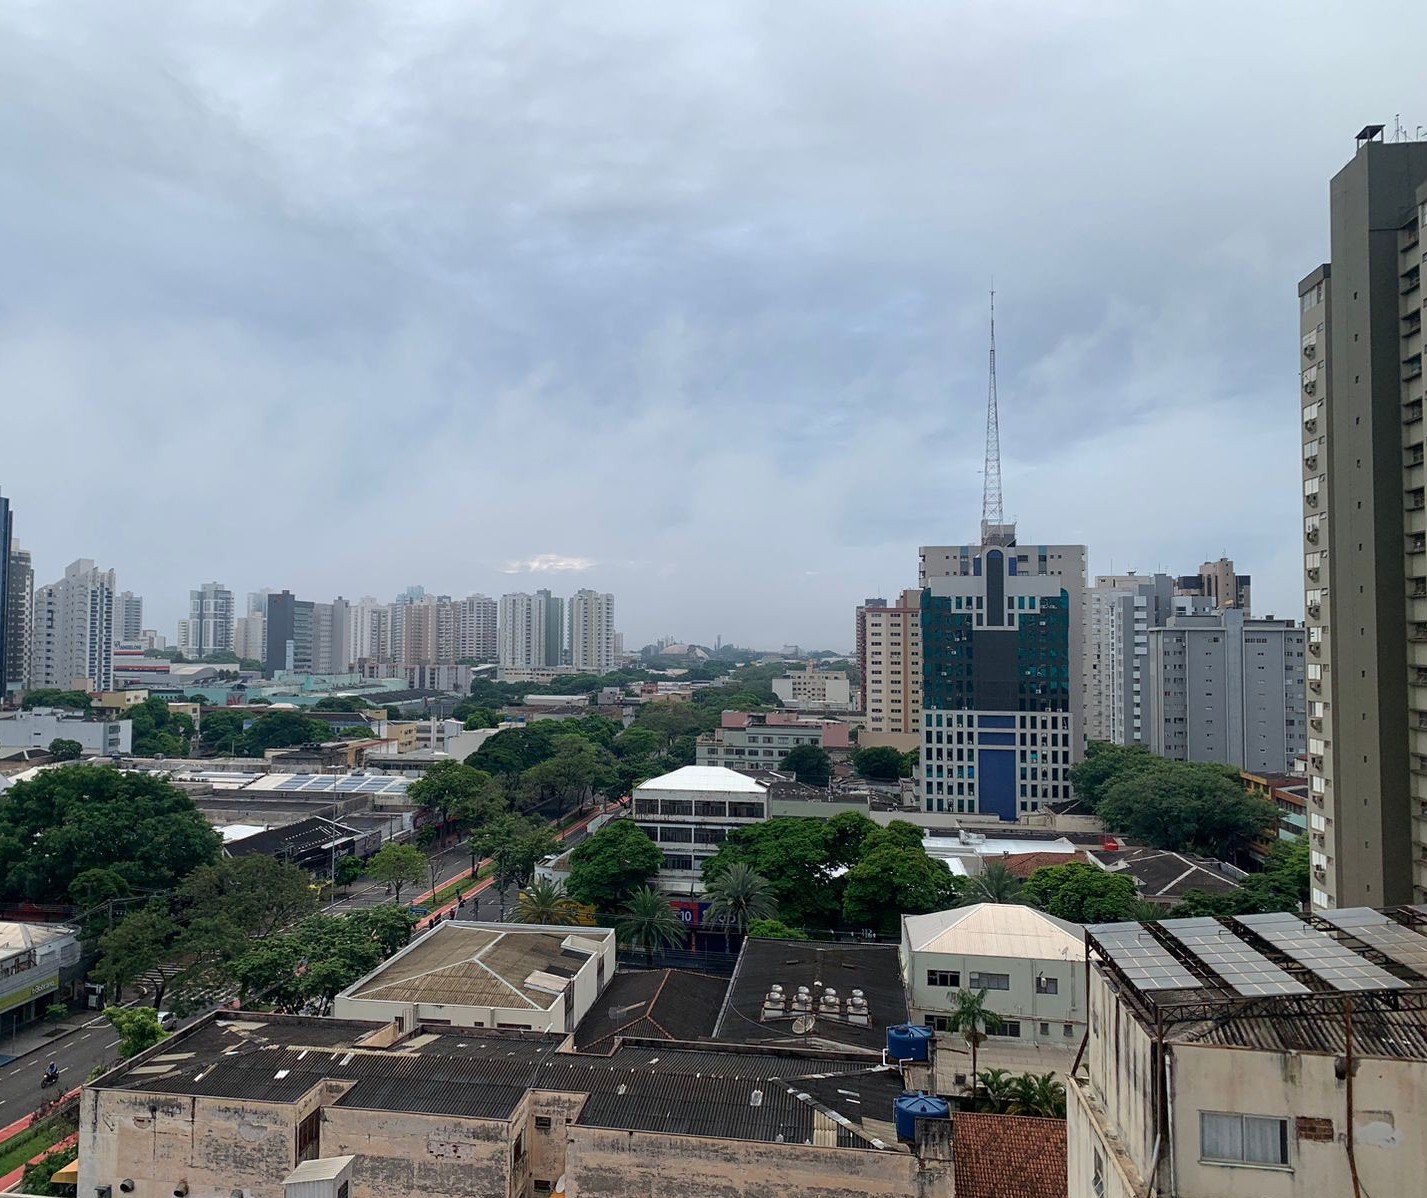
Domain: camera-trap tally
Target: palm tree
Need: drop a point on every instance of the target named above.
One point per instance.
(973, 1019)
(738, 896)
(994, 884)
(649, 923)
(999, 1088)
(1037, 1094)
(545, 902)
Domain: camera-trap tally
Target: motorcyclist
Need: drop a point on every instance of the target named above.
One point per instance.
(52, 1072)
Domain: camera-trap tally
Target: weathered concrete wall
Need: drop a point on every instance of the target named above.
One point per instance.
(548, 1144)
(158, 1141)
(421, 1156)
(618, 1164)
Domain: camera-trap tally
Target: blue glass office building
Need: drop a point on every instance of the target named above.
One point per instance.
(1001, 681)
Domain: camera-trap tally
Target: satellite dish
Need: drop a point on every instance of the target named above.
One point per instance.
(621, 1012)
(802, 1025)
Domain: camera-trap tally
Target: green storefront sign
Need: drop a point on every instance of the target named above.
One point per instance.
(22, 996)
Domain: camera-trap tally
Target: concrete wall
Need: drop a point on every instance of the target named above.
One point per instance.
(1119, 1061)
(1096, 1164)
(617, 1164)
(401, 1155)
(1021, 1002)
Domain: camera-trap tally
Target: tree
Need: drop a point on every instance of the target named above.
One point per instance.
(481, 717)
(649, 923)
(847, 835)
(794, 855)
(994, 884)
(545, 903)
(514, 843)
(345, 703)
(772, 929)
(567, 775)
(637, 741)
(257, 894)
(398, 864)
(52, 697)
(892, 880)
(281, 730)
(64, 749)
(879, 762)
(138, 1029)
(1082, 893)
(388, 925)
(159, 730)
(515, 750)
(136, 946)
(1036, 1094)
(738, 896)
(996, 1089)
(972, 1019)
(56, 826)
(1282, 886)
(36, 1179)
(457, 792)
(612, 864)
(222, 731)
(1185, 806)
(1103, 764)
(808, 764)
(310, 965)
(671, 720)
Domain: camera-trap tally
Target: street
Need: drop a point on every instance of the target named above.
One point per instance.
(76, 1053)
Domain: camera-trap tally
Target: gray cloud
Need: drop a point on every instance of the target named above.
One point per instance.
(350, 295)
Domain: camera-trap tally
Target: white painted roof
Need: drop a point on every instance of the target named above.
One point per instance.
(705, 778)
(995, 930)
(950, 846)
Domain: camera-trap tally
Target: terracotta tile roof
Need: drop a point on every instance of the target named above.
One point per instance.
(1023, 865)
(1008, 1156)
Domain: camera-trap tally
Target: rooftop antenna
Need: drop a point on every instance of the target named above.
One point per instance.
(992, 517)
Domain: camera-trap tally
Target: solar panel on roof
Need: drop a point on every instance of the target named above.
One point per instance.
(1249, 972)
(1142, 959)
(1398, 944)
(1320, 954)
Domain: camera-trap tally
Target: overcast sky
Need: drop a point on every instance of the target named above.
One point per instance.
(682, 301)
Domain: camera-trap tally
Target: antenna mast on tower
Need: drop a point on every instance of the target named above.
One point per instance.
(993, 526)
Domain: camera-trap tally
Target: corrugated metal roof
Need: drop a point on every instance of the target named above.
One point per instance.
(995, 930)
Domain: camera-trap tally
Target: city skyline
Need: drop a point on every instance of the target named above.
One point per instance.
(608, 369)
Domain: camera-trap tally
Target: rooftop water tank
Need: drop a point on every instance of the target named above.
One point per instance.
(909, 1042)
(911, 1107)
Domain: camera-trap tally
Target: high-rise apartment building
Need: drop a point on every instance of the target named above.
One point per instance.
(477, 624)
(1002, 676)
(557, 632)
(289, 641)
(889, 657)
(592, 648)
(210, 620)
(19, 616)
(128, 618)
(72, 639)
(1120, 609)
(1365, 534)
(250, 637)
(330, 636)
(1218, 583)
(1223, 688)
(522, 631)
(7, 531)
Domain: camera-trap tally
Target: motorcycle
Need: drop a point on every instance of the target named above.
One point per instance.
(48, 1080)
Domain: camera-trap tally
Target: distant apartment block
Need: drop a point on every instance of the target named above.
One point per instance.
(1119, 612)
(477, 624)
(889, 658)
(72, 640)
(522, 631)
(812, 689)
(289, 633)
(128, 618)
(250, 637)
(592, 637)
(1218, 583)
(16, 634)
(1230, 690)
(36, 729)
(760, 740)
(210, 620)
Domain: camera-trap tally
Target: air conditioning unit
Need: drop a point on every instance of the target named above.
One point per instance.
(1312, 535)
(1310, 385)
(1310, 348)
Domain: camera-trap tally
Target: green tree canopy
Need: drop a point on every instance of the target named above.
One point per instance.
(159, 730)
(568, 775)
(397, 865)
(52, 697)
(222, 731)
(64, 749)
(879, 762)
(1282, 886)
(994, 884)
(1082, 893)
(795, 855)
(1184, 806)
(309, 965)
(613, 863)
(134, 947)
(58, 825)
(347, 703)
(457, 792)
(545, 902)
(514, 843)
(773, 929)
(809, 764)
(649, 923)
(738, 897)
(281, 730)
(847, 834)
(138, 1029)
(894, 879)
(670, 720)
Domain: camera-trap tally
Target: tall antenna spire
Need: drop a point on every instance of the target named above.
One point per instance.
(992, 517)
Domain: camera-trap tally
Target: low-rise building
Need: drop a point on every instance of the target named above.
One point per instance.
(1287, 792)
(33, 958)
(1031, 965)
(760, 740)
(1163, 877)
(36, 729)
(1259, 1057)
(689, 812)
(473, 975)
(240, 1100)
(812, 689)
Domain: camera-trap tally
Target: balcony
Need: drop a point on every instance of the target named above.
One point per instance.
(1412, 412)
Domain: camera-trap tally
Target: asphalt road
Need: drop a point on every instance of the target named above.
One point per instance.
(76, 1053)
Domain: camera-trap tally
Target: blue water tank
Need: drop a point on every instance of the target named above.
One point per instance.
(911, 1107)
(909, 1042)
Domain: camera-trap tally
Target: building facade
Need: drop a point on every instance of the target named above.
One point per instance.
(250, 637)
(690, 812)
(73, 630)
(1002, 676)
(36, 729)
(1225, 689)
(889, 657)
(1219, 584)
(128, 618)
(812, 689)
(1119, 612)
(210, 620)
(592, 640)
(477, 625)
(289, 633)
(521, 633)
(19, 620)
(750, 741)
(7, 533)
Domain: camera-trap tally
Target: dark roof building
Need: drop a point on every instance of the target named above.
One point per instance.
(841, 996)
(313, 842)
(662, 1004)
(1164, 877)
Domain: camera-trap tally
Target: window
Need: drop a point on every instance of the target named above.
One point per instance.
(308, 1133)
(1009, 1027)
(520, 1147)
(944, 977)
(990, 981)
(940, 1023)
(1045, 985)
(541, 1186)
(1243, 1139)
(1069, 1029)
(543, 1123)
(1097, 1178)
